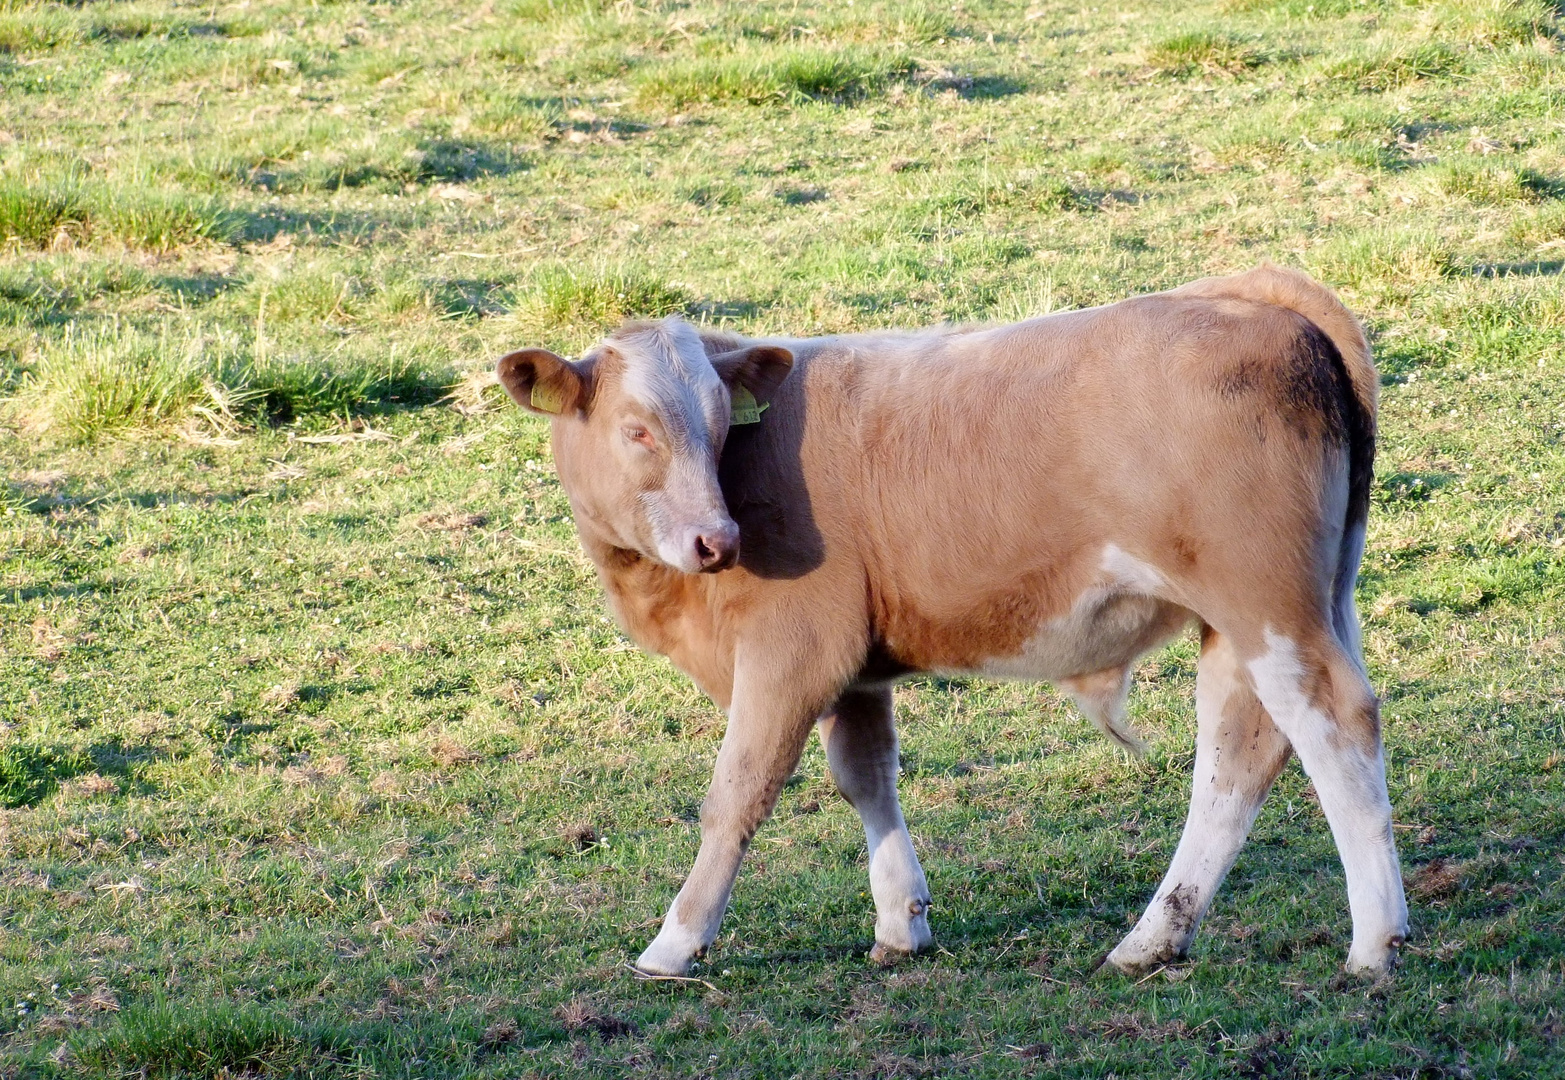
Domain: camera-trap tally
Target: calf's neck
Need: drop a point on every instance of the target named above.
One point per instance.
(797, 523)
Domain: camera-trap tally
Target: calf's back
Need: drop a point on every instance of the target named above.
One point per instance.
(949, 492)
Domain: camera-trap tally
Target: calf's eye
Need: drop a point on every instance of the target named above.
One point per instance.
(639, 435)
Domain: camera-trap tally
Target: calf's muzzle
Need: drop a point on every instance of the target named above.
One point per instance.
(718, 548)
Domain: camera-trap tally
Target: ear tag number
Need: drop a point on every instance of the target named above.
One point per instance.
(546, 398)
(745, 408)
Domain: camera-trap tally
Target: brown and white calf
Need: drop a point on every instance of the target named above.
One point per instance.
(1044, 500)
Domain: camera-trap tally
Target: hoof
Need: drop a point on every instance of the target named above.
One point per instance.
(654, 967)
(1365, 974)
(658, 959)
(1109, 968)
(898, 935)
(673, 951)
(1379, 964)
(1137, 962)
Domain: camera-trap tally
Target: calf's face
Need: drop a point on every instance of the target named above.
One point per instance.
(637, 426)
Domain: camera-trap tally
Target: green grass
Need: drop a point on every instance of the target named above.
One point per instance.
(318, 753)
(1202, 53)
(563, 300)
(107, 378)
(43, 213)
(772, 75)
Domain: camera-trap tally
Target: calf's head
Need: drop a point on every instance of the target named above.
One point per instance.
(637, 426)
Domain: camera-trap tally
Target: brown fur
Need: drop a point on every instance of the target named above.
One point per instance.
(1051, 498)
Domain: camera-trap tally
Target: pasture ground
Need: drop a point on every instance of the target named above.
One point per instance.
(319, 756)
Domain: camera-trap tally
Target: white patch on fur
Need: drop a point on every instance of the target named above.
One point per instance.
(1129, 572)
(1108, 714)
(1343, 551)
(1352, 790)
(1345, 614)
(667, 371)
(895, 877)
(1096, 631)
(688, 505)
(1091, 637)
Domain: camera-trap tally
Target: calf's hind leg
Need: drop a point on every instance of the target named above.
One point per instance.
(1239, 752)
(861, 746)
(1322, 701)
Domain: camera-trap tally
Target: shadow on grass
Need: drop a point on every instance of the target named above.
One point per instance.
(265, 226)
(434, 160)
(878, 304)
(73, 590)
(455, 159)
(195, 288)
(1527, 268)
(1399, 358)
(988, 87)
(152, 500)
(767, 961)
(216, 1039)
(30, 774)
(916, 765)
(158, 1038)
(618, 127)
(470, 297)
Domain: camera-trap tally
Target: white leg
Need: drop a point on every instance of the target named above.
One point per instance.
(1239, 752)
(1320, 699)
(861, 747)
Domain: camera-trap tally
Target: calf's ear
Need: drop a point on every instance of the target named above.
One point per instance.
(760, 369)
(541, 382)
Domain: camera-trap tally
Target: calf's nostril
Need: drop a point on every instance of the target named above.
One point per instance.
(716, 551)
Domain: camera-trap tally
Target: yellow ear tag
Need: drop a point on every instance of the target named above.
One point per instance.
(745, 408)
(546, 398)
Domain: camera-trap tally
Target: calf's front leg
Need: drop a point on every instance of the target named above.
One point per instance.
(767, 725)
(861, 747)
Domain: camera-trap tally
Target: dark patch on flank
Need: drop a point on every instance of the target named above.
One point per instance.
(1310, 389)
(1307, 386)
(1244, 378)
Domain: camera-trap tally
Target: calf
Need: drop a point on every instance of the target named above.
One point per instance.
(797, 523)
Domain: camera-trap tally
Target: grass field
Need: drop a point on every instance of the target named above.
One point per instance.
(318, 754)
